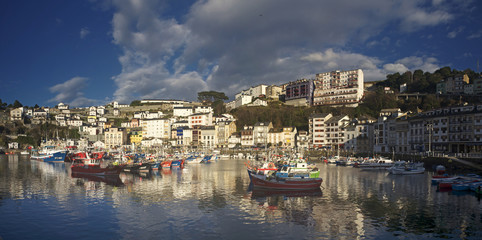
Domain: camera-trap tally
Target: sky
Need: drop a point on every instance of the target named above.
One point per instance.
(92, 52)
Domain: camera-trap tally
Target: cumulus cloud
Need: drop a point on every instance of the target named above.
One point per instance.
(71, 92)
(231, 45)
(84, 32)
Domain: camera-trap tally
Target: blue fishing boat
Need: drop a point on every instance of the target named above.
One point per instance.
(49, 156)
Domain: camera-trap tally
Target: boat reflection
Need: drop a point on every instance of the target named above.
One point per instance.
(109, 180)
(261, 193)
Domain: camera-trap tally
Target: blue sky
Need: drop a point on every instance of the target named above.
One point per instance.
(91, 52)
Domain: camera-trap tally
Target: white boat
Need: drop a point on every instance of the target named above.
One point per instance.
(375, 164)
(406, 168)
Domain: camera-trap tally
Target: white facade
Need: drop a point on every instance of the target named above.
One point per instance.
(203, 109)
(253, 91)
(182, 111)
(200, 119)
(339, 88)
(242, 100)
(318, 129)
(156, 128)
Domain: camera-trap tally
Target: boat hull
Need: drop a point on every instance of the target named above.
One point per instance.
(285, 183)
(93, 170)
(55, 157)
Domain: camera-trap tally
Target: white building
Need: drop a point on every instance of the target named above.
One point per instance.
(317, 129)
(339, 88)
(242, 100)
(200, 119)
(156, 128)
(254, 92)
(203, 109)
(180, 111)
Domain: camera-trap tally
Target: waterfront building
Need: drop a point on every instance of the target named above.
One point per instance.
(115, 137)
(208, 138)
(247, 138)
(285, 137)
(156, 128)
(317, 130)
(224, 129)
(302, 140)
(339, 88)
(135, 136)
(335, 135)
(260, 133)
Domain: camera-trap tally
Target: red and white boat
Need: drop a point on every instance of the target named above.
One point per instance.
(93, 167)
(288, 183)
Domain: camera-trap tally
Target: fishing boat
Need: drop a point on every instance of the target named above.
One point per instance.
(375, 164)
(178, 163)
(288, 183)
(406, 168)
(166, 164)
(92, 166)
(49, 155)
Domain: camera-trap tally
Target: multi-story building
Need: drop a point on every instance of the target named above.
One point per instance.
(200, 119)
(339, 88)
(247, 139)
(299, 93)
(16, 114)
(334, 131)
(254, 92)
(273, 92)
(115, 137)
(260, 133)
(181, 111)
(208, 137)
(317, 129)
(224, 129)
(156, 128)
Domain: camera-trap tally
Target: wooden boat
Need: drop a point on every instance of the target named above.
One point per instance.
(289, 183)
(92, 167)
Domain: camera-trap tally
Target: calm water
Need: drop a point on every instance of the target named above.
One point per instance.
(214, 201)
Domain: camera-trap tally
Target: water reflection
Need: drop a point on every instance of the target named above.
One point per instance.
(216, 200)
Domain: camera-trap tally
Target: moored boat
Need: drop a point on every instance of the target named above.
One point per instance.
(289, 183)
(50, 156)
(92, 167)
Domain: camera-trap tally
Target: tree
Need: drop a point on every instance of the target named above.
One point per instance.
(211, 96)
(135, 103)
(17, 104)
(2, 105)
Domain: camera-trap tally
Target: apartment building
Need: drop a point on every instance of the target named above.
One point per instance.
(317, 129)
(299, 93)
(115, 137)
(339, 88)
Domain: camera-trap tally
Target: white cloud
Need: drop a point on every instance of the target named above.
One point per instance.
(71, 92)
(231, 45)
(84, 32)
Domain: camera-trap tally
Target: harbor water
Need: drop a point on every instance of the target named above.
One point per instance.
(216, 201)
